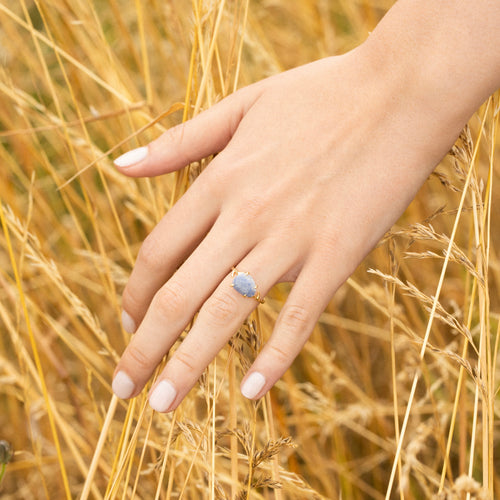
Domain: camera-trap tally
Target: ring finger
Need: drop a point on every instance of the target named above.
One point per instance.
(173, 306)
(218, 320)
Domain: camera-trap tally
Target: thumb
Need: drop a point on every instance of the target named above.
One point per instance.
(206, 134)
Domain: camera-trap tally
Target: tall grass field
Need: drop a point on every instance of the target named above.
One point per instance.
(395, 396)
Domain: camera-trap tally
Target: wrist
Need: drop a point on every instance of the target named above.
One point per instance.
(442, 56)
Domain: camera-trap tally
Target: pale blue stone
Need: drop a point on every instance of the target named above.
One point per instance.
(243, 283)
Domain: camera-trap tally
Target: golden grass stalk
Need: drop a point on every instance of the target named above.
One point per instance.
(395, 394)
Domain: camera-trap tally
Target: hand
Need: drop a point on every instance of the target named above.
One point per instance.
(314, 165)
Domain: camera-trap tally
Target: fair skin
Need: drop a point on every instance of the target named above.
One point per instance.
(314, 165)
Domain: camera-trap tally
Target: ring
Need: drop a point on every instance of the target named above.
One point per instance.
(245, 285)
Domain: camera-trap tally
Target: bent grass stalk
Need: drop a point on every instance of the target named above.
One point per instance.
(75, 226)
(36, 357)
(434, 305)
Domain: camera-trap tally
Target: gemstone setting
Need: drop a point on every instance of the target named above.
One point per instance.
(244, 284)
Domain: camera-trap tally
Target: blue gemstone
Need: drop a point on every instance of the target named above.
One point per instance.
(243, 283)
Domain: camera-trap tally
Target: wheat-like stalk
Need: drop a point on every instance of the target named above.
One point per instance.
(395, 394)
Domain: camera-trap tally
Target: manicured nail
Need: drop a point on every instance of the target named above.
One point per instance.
(122, 385)
(253, 385)
(128, 323)
(131, 157)
(162, 396)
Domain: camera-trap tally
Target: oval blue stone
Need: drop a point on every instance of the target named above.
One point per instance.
(243, 283)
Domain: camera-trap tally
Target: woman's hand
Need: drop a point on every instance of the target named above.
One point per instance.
(314, 165)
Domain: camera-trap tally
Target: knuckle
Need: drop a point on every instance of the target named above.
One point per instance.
(175, 137)
(130, 301)
(295, 318)
(150, 254)
(138, 357)
(330, 244)
(255, 207)
(171, 299)
(186, 359)
(221, 308)
(280, 354)
(215, 180)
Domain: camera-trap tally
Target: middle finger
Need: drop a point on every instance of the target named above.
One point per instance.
(174, 305)
(218, 320)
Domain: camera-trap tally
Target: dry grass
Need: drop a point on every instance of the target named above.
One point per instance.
(395, 395)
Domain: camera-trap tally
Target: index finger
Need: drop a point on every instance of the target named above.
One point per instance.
(167, 246)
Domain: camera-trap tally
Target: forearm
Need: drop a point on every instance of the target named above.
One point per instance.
(446, 53)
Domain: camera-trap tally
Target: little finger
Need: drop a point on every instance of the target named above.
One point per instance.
(218, 320)
(309, 297)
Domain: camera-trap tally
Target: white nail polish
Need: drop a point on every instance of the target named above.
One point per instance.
(253, 385)
(123, 386)
(131, 157)
(162, 396)
(128, 323)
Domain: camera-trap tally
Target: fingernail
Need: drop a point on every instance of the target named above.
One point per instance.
(131, 157)
(253, 385)
(123, 386)
(128, 323)
(162, 396)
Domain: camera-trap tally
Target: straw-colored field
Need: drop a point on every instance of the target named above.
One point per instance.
(397, 393)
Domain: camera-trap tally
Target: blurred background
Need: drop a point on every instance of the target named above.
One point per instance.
(360, 414)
